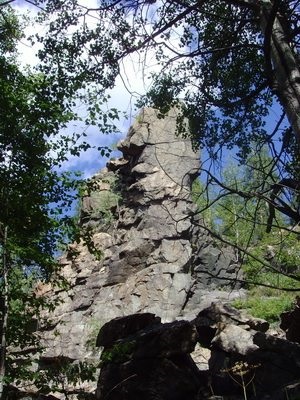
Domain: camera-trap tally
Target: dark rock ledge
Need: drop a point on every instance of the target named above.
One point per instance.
(145, 359)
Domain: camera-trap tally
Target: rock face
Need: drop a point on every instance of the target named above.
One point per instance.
(151, 278)
(148, 252)
(150, 255)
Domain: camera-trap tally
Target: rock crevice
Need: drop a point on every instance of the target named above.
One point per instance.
(147, 244)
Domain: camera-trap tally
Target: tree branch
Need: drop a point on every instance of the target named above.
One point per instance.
(249, 254)
(166, 26)
(5, 3)
(270, 18)
(284, 208)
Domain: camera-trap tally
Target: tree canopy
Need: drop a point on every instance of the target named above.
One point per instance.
(35, 197)
(232, 66)
(228, 63)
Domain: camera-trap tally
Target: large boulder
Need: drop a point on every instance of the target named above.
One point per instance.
(148, 361)
(243, 353)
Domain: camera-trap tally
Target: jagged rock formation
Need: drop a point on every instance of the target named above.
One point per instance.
(144, 359)
(149, 253)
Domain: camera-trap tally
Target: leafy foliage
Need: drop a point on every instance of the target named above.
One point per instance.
(221, 114)
(215, 60)
(119, 352)
(65, 376)
(270, 261)
(266, 307)
(35, 199)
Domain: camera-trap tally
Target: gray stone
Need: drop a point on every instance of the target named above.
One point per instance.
(234, 339)
(150, 254)
(237, 350)
(290, 322)
(139, 349)
(120, 328)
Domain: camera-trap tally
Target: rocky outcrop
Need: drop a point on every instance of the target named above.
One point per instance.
(150, 279)
(142, 249)
(244, 355)
(145, 359)
(148, 254)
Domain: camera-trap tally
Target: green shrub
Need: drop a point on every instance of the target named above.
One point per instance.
(118, 353)
(94, 327)
(268, 308)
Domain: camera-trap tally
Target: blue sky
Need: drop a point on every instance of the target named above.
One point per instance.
(132, 78)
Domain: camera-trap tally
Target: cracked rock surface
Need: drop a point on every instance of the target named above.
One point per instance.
(150, 253)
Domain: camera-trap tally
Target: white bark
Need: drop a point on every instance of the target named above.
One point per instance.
(5, 312)
(286, 70)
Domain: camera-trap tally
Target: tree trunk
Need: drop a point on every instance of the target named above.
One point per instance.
(3, 326)
(286, 72)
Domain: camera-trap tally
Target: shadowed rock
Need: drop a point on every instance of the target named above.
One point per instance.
(150, 363)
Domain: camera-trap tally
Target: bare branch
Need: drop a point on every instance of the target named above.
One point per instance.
(166, 26)
(284, 208)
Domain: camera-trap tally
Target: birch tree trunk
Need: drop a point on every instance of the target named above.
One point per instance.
(285, 64)
(3, 326)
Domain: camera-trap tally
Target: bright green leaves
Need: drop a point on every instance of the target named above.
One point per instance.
(10, 31)
(119, 352)
(219, 76)
(210, 57)
(83, 61)
(164, 93)
(35, 200)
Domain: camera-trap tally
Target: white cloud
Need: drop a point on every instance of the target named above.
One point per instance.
(121, 98)
(130, 85)
(91, 161)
